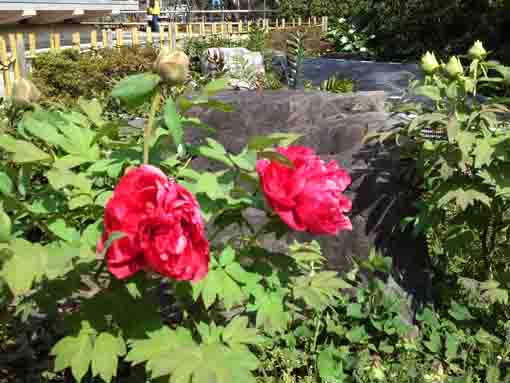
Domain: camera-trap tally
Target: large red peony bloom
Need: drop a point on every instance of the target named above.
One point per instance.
(309, 196)
(162, 226)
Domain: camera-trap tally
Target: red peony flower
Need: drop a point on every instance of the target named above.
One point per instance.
(162, 226)
(309, 196)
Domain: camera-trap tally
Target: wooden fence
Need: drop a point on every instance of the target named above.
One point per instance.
(14, 53)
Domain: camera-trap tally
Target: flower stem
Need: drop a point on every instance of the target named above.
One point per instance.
(147, 134)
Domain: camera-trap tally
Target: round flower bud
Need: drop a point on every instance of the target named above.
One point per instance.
(429, 63)
(5, 226)
(477, 51)
(25, 92)
(172, 66)
(454, 67)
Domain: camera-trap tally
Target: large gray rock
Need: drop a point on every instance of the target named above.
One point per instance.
(334, 125)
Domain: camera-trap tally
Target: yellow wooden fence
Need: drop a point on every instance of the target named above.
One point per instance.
(114, 37)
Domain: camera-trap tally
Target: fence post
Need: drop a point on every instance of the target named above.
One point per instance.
(190, 30)
(32, 44)
(21, 56)
(202, 27)
(293, 22)
(162, 36)
(300, 21)
(104, 37)
(240, 27)
(57, 40)
(222, 28)
(4, 63)
(148, 41)
(76, 41)
(93, 40)
(173, 41)
(14, 56)
(283, 23)
(52, 41)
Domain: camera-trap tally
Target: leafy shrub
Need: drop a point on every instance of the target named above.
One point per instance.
(68, 75)
(337, 85)
(347, 38)
(459, 141)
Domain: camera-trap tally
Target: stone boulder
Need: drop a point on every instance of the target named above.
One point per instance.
(334, 125)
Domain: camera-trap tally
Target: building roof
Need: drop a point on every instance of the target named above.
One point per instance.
(55, 11)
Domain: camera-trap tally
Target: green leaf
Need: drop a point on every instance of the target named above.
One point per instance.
(452, 346)
(24, 267)
(354, 310)
(23, 151)
(460, 312)
(429, 91)
(357, 335)
(6, 185)
(216, 86)
(452, 130)
(276, 157)
(483, 153)
(238, 332)
(434, 344)
(60, 178)
(75, 352)
(135, 89)
(327, 365)
(60, 229)
(271, 314)
(93, 110)
(107, 350)
(173, 122)
(263, 142)
(227, 256)
(464, 198)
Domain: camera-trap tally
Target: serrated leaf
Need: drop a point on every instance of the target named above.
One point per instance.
(24, 267)
(238, 332)
(107, 350)
(74, 352)
(93, 110)
(483, 153)
(271, 314)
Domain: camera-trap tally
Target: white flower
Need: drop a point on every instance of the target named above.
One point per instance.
(341, 20)
(344, 40)
(363, 49)
(351, 31)
(372, 37)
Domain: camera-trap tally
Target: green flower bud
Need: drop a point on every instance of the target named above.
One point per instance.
(477, 51)
(5, 226)
(172, 66)
(25, 92)
(454, 67)
(429, 63)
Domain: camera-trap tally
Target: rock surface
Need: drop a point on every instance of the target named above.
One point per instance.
(334, 125)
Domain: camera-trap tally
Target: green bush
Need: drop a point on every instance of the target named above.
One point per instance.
(68, 75)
